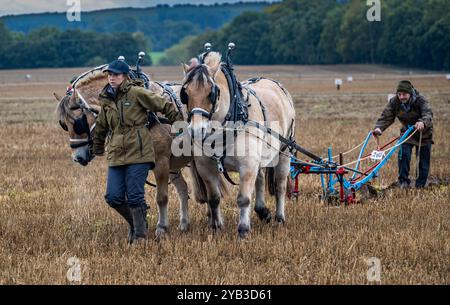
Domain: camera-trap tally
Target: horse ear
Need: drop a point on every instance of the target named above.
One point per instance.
(185, 68)
(214, 69)
(56, 95)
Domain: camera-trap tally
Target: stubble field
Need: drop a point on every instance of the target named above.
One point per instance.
(52, 209)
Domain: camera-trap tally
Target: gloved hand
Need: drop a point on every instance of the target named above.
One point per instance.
(377, 132)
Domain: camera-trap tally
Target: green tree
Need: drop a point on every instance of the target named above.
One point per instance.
(327, 47)
(5, 42)
(178, 53)
(247, 31)
(435, 40)
(359, 38)
(402, 31)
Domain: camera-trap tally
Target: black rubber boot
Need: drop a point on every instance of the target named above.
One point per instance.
(139, 215)
(125, 212)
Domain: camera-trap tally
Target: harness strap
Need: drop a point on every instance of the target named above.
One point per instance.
(250, 91)
(200, 111)
(168, 90)
(222, 168)
(225, 174)
(257, 79)
(238, 110)
(289, 142)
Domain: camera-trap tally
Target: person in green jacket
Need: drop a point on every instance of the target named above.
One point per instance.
(410, 108)
(123, 118)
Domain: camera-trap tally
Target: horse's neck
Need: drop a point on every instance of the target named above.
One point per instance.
(154, 87)
(223, 102)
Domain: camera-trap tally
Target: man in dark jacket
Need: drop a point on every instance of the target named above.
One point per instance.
(410, 108)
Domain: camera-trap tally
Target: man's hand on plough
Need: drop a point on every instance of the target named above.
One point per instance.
(419, 126)
(377, 132)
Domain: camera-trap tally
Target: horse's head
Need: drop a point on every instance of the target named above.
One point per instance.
(77, 118)
(200, 93)
(78, 110)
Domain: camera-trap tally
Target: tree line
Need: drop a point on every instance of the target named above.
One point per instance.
(163, 25)
(51, 47)
(413, 33)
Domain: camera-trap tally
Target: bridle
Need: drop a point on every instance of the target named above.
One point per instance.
(80, 124)
(213, 97)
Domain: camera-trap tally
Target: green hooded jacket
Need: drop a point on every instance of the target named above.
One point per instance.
(125, 116)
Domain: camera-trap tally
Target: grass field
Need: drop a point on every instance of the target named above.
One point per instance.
(52, 209)
(156, 56)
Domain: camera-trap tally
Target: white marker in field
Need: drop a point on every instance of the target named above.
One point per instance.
(338, 83)
(448, 76)
(27, 77)
(350, 79)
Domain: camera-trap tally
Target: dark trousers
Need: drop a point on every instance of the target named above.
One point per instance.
(404, 160)
(126, 183)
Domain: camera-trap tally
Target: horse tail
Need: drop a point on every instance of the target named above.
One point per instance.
(271, 185)
(198, 185)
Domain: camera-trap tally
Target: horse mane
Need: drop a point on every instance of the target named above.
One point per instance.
(63, 108)
(85, 79)
(91, 76)
(198, 73)
(212, 59)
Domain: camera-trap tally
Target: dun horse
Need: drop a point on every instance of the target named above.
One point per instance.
(77, 113)
(206, 92)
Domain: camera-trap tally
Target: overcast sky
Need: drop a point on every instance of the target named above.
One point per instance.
(16, 7)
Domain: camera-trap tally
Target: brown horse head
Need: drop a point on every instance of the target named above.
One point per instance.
(77, 112)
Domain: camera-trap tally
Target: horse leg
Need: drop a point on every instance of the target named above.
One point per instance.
(162, 181)
(260, 206)
(207, 171)
(281, 176)
(215, 220)
(246, 187)
(183, 196)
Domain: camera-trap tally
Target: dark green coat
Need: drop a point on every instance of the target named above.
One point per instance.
(125, 116)
(420, 111)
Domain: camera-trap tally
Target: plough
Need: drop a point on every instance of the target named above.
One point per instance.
(340, 182)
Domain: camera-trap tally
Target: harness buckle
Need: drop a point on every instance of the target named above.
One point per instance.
(219, 163)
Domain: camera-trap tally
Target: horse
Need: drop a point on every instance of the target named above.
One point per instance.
(206, 93)
(77, 112)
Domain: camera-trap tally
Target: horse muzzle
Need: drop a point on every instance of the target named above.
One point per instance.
(81, 156)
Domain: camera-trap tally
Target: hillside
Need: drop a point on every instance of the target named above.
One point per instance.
(412, 33)
(163, 25)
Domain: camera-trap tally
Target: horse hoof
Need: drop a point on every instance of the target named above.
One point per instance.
(280, 219)
(264, 214)
(184, 226)
(215, 224)
(138, 243)
(161, 231)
